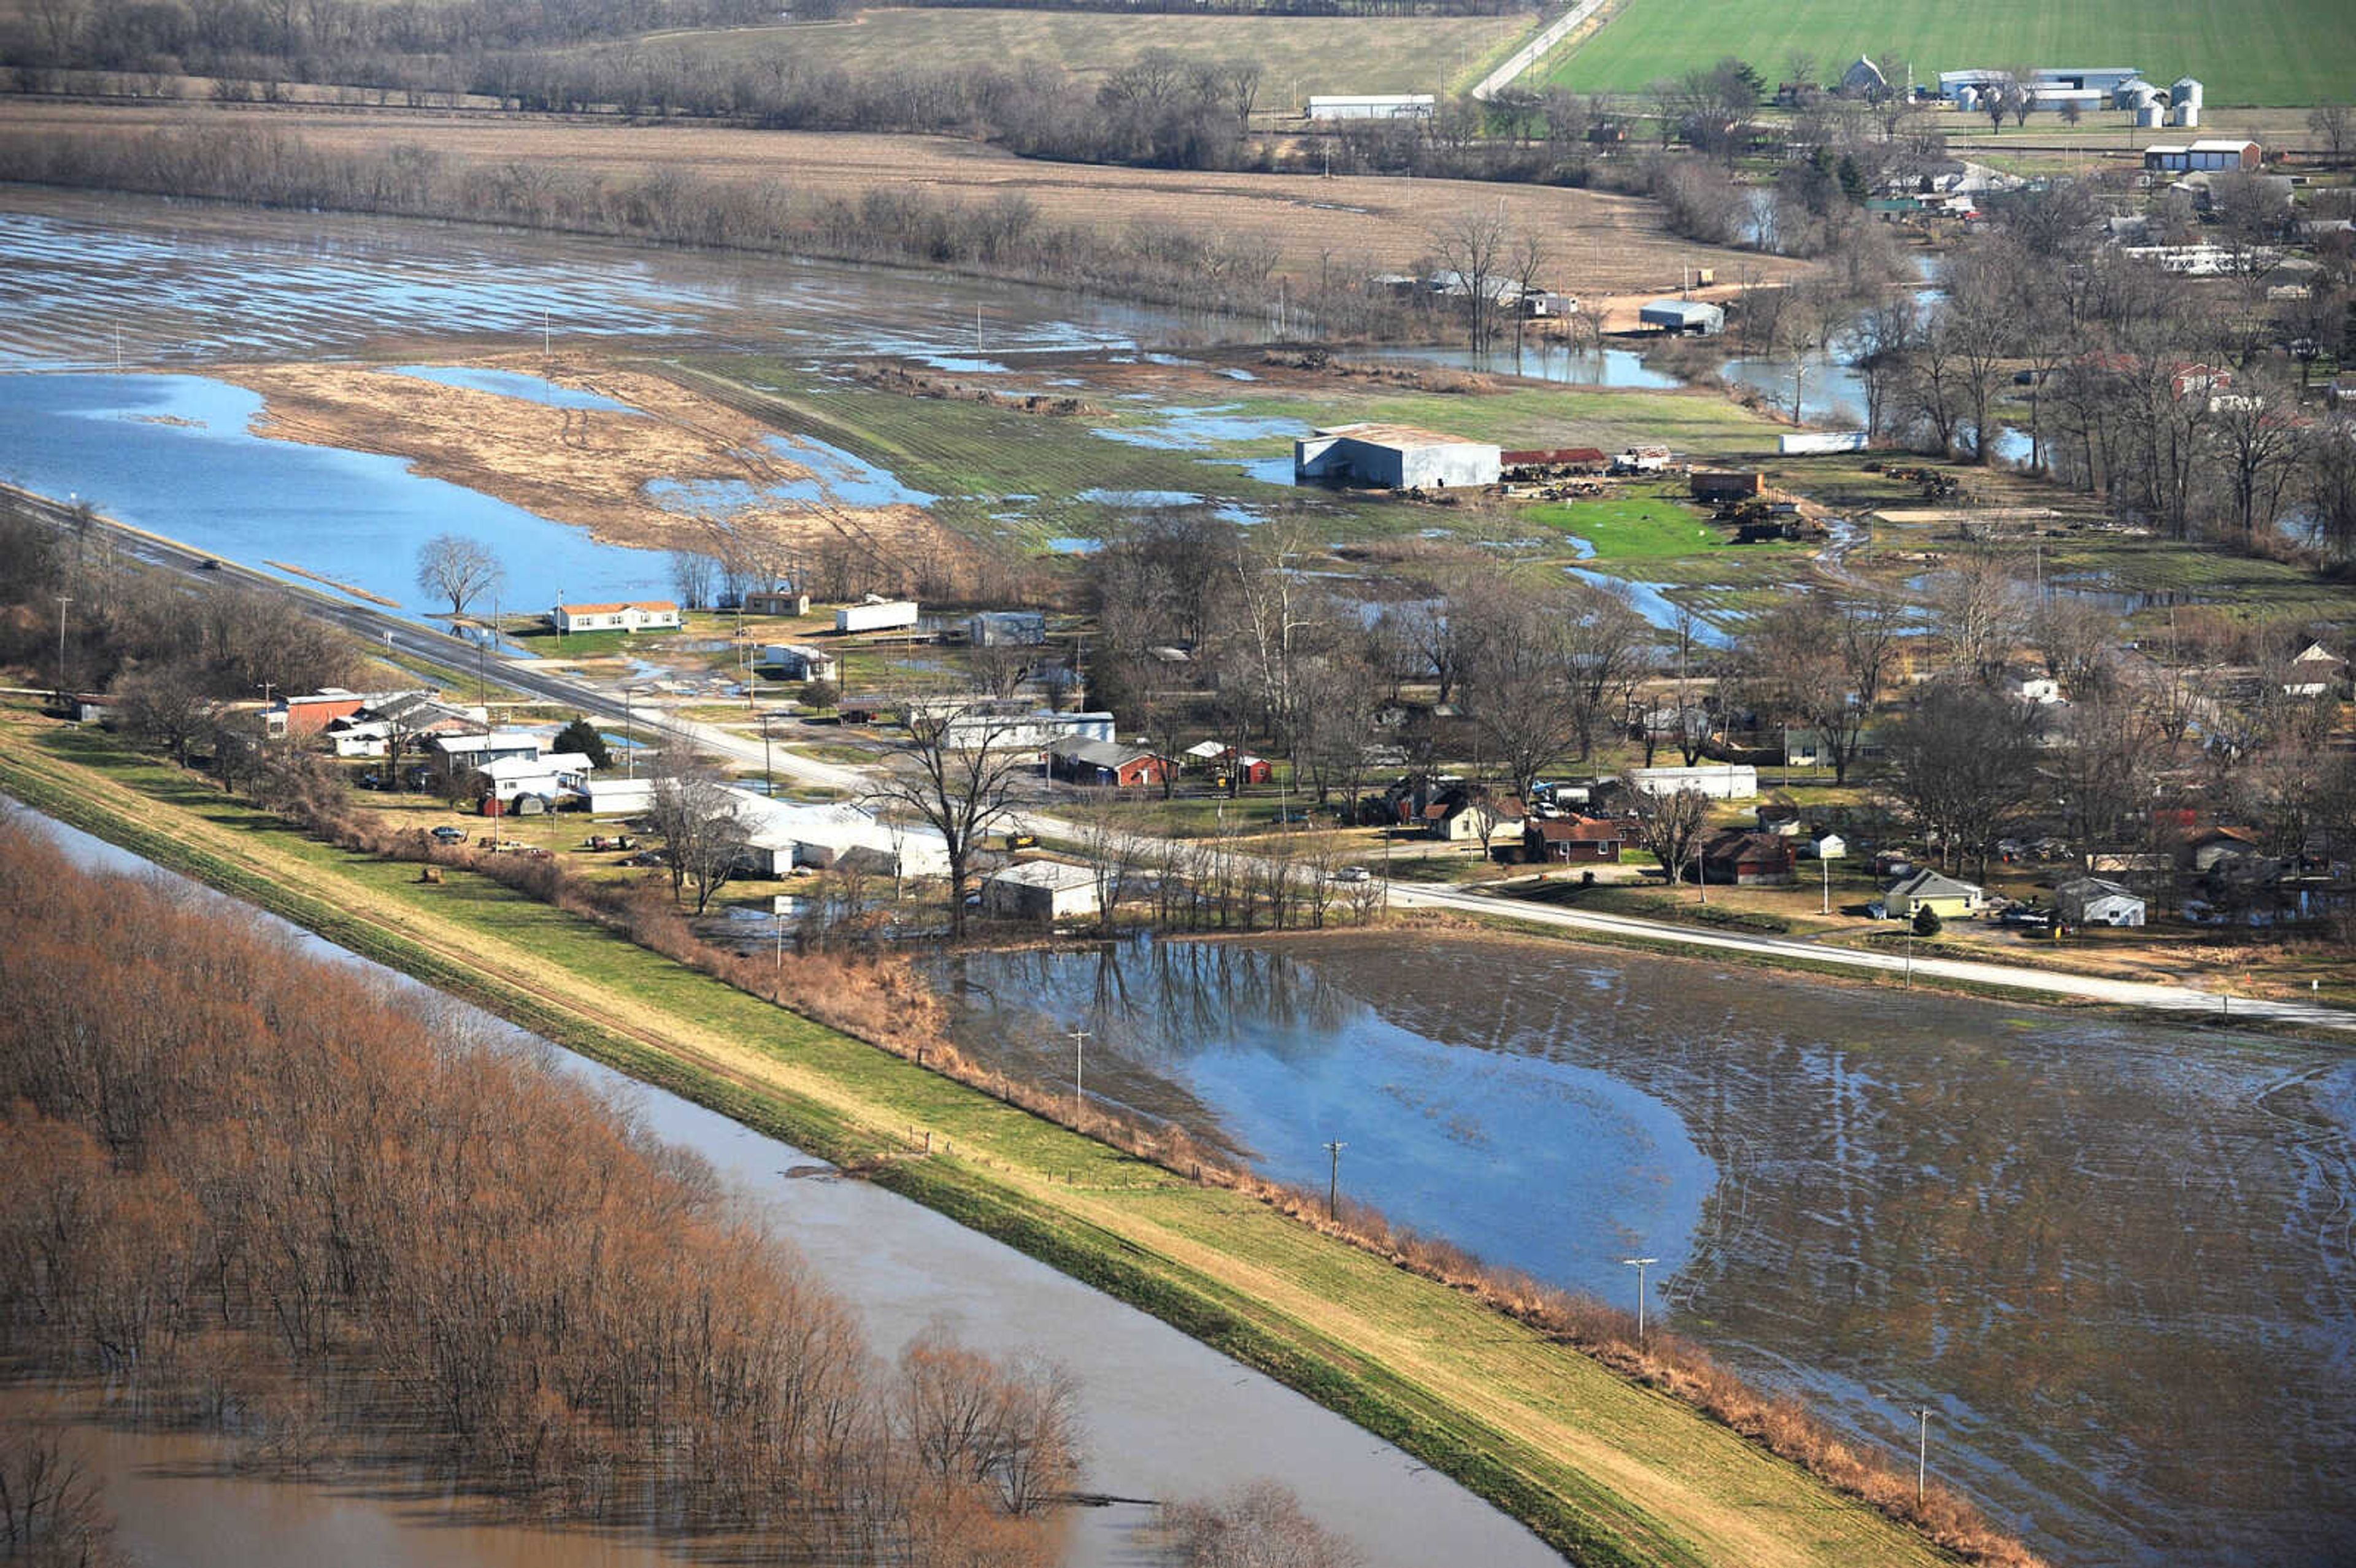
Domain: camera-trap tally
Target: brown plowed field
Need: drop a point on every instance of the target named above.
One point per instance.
(1601, 243)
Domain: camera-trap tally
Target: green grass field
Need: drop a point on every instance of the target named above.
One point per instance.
(1299, 55)
(2286, 52)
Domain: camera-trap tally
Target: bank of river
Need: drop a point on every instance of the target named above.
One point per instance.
(1163, 1417)
(2115, 1260)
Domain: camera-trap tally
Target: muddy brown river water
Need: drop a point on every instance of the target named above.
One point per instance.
(2114, 1259)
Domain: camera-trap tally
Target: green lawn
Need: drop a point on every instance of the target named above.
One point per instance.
(2288, 53)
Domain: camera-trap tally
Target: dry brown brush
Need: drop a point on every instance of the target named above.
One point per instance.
(258, 1190)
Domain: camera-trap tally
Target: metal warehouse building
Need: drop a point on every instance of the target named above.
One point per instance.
(1395, 456)
(1373, 106)
(1698, 317)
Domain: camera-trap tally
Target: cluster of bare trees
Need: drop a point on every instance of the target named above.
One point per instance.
(324, 40)
(178, 660)
(2179, 399)
(272, 1197)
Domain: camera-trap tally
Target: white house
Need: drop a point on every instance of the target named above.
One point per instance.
(2315, 672)
(1717, 781)
(793, 661)
(2092, 900)
(1042, 890)
(454, 754)
(629, 615)
(620, 797)
(2037, 691)
(781, 835)
(551, 776)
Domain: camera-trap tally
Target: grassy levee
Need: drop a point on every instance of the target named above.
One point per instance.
(1608, 1471)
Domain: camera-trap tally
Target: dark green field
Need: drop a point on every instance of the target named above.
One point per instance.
(2279, 52)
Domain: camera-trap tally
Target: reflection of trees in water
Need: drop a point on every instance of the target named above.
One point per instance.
(2116, 1251)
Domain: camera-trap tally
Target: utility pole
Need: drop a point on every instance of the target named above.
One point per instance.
(1333, 1181)
(1922, 1453)
(1640, 1265)
(769, 783)
(63, 600)
(1079, 1047)
(1827, 864)
(629, 734)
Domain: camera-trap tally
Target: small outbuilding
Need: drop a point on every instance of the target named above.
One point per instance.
(1007, 629)
(1690, 318)
(795, 661)
(1076, 759)
(2093, 901)
(1863, 79)
(776, 601)
(1744, 859)
(1045, 890)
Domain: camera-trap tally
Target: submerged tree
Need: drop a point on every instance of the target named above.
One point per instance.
(458, 568)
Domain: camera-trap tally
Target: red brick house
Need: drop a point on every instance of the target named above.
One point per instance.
(1590, 839)
(1107, 763)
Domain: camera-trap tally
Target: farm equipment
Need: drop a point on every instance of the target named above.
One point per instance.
(609, 841)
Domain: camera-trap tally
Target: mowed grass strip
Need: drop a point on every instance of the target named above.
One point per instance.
(2286, 52)
(1609, 1472)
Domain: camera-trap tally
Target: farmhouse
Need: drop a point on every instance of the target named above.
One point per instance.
(781, 835)
(2314, 672)
(1693, 318)
(1372, 106)
(2092, 900)
(2204, 156)
(1465, 816)
(1395, 457)
(1941, 895)
(1041, 889)
(308, 715)
(549, 778)
(630, 615)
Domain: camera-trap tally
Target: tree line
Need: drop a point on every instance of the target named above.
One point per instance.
(265, 1194)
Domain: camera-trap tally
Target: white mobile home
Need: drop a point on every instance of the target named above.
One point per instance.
(1373, 106)
(876, 614)
(1718, 780)
(631, 615)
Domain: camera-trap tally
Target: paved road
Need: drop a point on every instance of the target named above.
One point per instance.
(452, 653)
(1978, 972)
(1530, 54)
(457, 656)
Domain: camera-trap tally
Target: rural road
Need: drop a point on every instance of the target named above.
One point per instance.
(432, 645)
(1530, 53)
(1977, 972)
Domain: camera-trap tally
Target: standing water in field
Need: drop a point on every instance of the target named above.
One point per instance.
(2117, 1261)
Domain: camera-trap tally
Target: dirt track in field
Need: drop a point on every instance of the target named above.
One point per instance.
(583, 466)
(1598, 243)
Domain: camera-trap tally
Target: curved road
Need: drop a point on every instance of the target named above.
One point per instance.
(441, 649)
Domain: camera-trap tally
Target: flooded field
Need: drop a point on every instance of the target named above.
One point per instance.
(90, 282)
(1163, 1417)
(2117, 1262)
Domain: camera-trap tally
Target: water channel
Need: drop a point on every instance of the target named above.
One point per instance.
(2115, 1260)
(1164, 1417)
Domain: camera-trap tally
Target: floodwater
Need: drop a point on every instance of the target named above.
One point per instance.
(1541, 361)
(176, 454)
(1163, 1417)
(195, 282)
(2115, 1261)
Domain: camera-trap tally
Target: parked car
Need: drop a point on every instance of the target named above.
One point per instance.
(1352, 874)
(449, 835)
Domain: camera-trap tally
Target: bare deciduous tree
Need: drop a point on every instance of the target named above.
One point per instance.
(458, 568)
(1670, 826)
(960, 785)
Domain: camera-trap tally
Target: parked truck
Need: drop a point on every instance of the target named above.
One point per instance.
(876, 615)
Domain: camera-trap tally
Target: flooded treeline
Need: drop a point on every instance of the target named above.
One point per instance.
(1005, 237)
(258, 1193)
